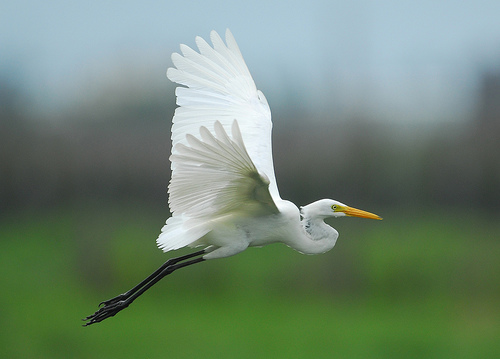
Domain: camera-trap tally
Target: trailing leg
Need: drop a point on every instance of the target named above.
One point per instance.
(112, 306)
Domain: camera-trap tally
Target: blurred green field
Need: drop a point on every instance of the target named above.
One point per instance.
(416, 285)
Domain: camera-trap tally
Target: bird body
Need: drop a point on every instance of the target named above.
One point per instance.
(235, 234)
(223, 193)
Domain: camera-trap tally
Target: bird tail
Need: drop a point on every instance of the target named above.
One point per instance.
(180, 232)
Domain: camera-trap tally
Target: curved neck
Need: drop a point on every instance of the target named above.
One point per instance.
(317, 237)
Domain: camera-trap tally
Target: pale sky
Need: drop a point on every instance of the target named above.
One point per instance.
(390, 58)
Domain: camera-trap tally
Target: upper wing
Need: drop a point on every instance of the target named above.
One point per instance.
(220, 88)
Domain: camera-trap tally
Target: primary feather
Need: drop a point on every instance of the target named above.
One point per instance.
(220, 88)
(213, 174)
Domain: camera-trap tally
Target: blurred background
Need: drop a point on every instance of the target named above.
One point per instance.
(389, 106)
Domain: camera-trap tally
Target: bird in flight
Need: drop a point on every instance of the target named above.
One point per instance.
(223, 194)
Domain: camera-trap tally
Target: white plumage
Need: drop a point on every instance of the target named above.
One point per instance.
(220, 88)
(214, 180)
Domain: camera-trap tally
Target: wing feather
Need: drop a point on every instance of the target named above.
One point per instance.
(213, 174)
(220, 88)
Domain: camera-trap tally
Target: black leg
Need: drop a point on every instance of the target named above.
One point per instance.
(112, 306)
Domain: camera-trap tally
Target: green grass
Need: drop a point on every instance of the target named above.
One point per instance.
(411, 286)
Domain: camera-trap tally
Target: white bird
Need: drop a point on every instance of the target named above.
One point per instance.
(223, 193)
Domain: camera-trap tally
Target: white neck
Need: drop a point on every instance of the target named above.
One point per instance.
(317, 237)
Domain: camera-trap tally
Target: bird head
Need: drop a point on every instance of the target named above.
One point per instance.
(325, 208)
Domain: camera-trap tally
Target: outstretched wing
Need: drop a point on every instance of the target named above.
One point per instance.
(220, 88)
(214, 178)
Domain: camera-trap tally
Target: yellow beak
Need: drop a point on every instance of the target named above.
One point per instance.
(353, 212)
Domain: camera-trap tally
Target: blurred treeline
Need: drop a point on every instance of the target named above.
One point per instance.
(85, 186)
(115, 142)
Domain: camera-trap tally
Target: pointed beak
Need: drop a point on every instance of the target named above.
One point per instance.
(353, 212)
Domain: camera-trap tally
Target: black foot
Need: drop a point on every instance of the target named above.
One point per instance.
(113, 300)
(110, 308)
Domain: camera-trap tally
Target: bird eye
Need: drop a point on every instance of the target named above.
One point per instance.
(334, 207)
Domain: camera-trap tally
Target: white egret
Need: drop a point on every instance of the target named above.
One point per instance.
(223, 194)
